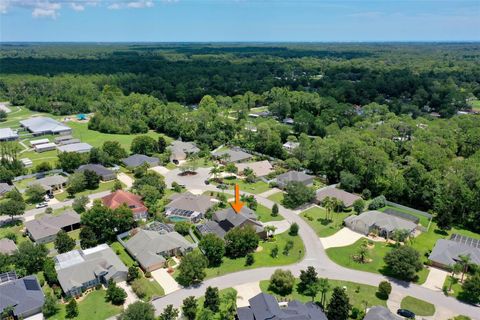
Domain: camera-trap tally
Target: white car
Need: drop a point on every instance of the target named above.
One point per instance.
(41, 205)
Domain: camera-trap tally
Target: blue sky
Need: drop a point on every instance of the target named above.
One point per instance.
(239, 20)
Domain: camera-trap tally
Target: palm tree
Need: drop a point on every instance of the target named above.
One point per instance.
(323, 287)
(215, 171)
(464, 263)
(363, 251)
(270, 230)
(327, 204)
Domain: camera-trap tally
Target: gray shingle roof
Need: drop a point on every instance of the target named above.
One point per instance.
(50, 181)
(382, 221)
(380, 313)
(139, 159)
(346, 197)
(447, 252)
(7, 246)
(51, 225)
(24, 294)
(259, 168)
(264, 306)
(4, 188)
(147, 246)
(227, 219)
(189, 202)
(292, 176)
(180, 149)
(77, 267)
(97, 168)
(234, 155)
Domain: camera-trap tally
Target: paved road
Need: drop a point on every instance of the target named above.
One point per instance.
(59, 205)
(315, 256)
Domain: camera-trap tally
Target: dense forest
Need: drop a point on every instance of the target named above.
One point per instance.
(409, 78)
(363, 113)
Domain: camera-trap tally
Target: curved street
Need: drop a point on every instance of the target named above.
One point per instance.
(314, 256)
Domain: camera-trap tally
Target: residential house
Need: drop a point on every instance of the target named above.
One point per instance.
(180, 150)
(5, 188)
(43, 125)
(382, 223)
(294, 176)
(380, 313)
(104, 173)
(259, 168)
(234, 155)
(346, 197)
(133, 201)
(79, 270)
(188, 206)
(80, 147)
(152, 249)
(227, 219)
(446, 252)
(51, 183)
(7, 246)
(264, 306)
(7, 134)
(138, 160)
(24, 295)
(45, 229)
(291, 145)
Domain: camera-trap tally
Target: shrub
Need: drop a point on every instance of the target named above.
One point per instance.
(249, 259)
(139, 289)
(366, 194)
(384, 290)
(281, 282)
(377, 203)
(294, 229)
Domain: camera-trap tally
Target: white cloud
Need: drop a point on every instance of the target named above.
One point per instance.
(77, 6)
(114, 6)
(140, 4)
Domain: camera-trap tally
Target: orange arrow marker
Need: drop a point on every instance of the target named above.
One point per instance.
(237, 205)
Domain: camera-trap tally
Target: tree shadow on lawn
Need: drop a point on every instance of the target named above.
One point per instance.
(324, 222)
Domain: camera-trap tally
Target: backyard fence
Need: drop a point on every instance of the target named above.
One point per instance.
(423, 213)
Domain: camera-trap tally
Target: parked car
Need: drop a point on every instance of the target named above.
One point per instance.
(41, 205)
(207, 182)
(406, 313)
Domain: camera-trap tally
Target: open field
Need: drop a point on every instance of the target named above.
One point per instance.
(315, 217)
(419, 307)
(262, 258)
(357, 293)
(343, 256)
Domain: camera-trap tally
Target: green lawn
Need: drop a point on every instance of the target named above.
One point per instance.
(419, 307)
(152, 288)
(264, 214)
(93, 306)
(475, 104)
(123, 254)
(14, 227)
(75, 235)
(255, 188)
(96, 139)
(315, 217)
(357, 293)
(422, 219)
(276, 197)
(263, 258)
(103, 186)
(343, 257)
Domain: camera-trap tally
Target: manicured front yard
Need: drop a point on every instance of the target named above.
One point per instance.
(417, 306)
(315, 217)
(122, 253)
(276, 197)
(255, 188)
(264, 214)
(262, 257)
(344, 257)
(357, 293)
(103, 186)
(152, 288)
(93, 306)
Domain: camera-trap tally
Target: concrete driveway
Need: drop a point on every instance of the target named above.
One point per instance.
(160, 169)
(342, 238)
(125, 179)
(131, 296)
(245, 292)
(191, 182)
(282, 225)
(436, 278)
(167, 282)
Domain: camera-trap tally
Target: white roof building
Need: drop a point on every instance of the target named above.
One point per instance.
(80, 147)
(7, 134)
(44, 125)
